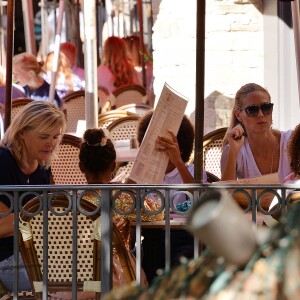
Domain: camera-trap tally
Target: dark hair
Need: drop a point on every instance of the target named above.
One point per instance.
(97, 152)
(293, 150)
(185, 136)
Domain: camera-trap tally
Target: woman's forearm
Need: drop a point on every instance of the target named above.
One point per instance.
(7, 226)
(229, 172)
(186, 176)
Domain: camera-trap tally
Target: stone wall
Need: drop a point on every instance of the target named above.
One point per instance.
(233, 57)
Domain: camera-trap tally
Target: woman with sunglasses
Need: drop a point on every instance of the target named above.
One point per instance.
(252, 147)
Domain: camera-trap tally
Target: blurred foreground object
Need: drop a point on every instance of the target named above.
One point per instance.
(271, 273)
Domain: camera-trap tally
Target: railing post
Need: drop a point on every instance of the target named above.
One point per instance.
(106, 242)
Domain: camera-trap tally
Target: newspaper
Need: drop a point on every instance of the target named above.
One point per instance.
(150, 165)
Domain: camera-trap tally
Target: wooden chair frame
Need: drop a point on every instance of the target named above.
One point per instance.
(104, 119)
(31, 257)
(17, 104)
(137, 108)
(126, 89)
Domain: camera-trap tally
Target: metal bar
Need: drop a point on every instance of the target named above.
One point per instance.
(296, 27)
(90, 64)
(16, 245)
(106, 242)
(56, 49)
(75, 247)
(28, 19)
(45, 246)
(45, 29)
(167, 233)
(138, 239)
(200, 84)
(9, 54)
(141, 35)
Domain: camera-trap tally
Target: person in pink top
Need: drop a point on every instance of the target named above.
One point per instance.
(70, 50)
(116, 69)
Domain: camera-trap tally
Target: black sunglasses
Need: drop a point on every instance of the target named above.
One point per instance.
(253, 110)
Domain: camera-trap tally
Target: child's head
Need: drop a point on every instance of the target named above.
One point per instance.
(97, 152)
(185, 136)
(294, 150)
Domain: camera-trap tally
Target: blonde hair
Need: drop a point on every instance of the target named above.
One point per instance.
(63, 68)
(28, 62)
(40, 116)
(115, 56)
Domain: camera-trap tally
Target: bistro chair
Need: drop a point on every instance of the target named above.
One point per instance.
(74, 104)
(212, 177)
(103, 99)
(106, 118)
(137, 108)
(123, 128)
(132, 93)
(18, 104)
(60, 242)
(212, 150)
(65, 166)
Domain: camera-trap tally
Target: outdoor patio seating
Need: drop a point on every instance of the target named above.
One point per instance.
(61, 248)
(127, 94)
(65, 166)
(74, 103)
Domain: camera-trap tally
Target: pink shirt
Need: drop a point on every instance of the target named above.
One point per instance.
(106, 78)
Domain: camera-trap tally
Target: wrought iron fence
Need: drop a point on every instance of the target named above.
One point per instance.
(250, 197)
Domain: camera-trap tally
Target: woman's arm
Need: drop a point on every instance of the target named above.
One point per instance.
(6, 223)
(230, 153)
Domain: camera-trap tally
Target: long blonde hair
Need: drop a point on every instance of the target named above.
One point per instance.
(63, 68)
(40, 116)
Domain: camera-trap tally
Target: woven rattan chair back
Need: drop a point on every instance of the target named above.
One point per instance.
(104, 119)
(127, 94)
(103, 99)
(212, 151)
(60, 242)
(65, 167)
(123, 128)
(18, 104)
(137, 108)
(74, 104)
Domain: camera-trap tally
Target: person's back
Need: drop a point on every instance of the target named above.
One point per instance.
(66, 80)
(116, 69)
(71, 52)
